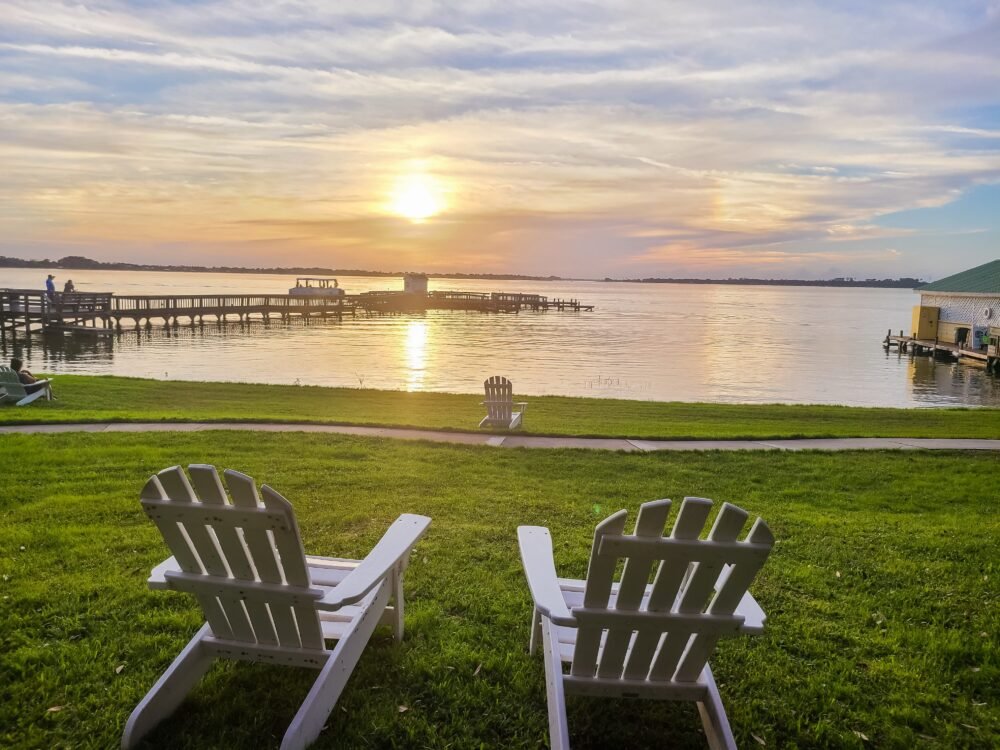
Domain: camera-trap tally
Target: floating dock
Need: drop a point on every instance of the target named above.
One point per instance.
(988, 357)
(24, 311)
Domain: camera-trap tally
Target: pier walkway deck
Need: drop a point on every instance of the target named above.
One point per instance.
(525, 441)
(988, 357)
(23, 311)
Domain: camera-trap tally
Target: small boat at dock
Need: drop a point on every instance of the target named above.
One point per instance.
(315, 286)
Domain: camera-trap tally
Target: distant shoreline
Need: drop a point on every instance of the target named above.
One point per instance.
(903, 283)
(79, 263)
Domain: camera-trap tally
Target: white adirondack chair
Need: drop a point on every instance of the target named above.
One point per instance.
(500, 404)
(639, 640)
(12, 390)
(263, 598)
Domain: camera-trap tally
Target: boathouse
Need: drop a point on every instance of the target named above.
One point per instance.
(962, 309)
(415, 283)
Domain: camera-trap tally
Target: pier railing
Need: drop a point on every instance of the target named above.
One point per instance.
(34, 302)
(182, 304)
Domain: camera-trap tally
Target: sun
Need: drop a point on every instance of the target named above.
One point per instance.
(416, 197)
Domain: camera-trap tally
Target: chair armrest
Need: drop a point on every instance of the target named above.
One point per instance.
(157, 578)
(540, 570)
(393, 547)
(522, 404)
(753, 615)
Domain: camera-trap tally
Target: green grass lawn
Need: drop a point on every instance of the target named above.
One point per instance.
(89, 399)
(881, 594)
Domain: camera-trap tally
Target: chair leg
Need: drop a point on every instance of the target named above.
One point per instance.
(713, 716)
(536, 631)
(31, 397)
(397, 601)
(325, 692)
(169, 691)
(554, 692)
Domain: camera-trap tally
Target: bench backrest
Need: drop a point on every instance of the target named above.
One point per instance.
(697, 586)
(241, 558)
(499, 399)
(11, 383)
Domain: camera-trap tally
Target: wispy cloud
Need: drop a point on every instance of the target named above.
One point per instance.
(571, 138)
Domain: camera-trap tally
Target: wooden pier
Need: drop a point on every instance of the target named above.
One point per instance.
(988, 357)
(24, 311)
(495, 302)
(27, 311)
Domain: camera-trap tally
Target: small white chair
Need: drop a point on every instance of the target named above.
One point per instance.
(263, 598)
(639, 640)
(500, 405)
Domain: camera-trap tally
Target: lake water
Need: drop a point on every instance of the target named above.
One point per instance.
(662, 342)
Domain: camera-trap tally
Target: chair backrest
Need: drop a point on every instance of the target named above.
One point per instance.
(499, 399)
(11, 383)
(241, 558)
(697, 586)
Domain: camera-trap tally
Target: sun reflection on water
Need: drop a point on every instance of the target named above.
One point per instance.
(415, 345)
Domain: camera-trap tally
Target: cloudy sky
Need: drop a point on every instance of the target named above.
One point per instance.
(623, 138)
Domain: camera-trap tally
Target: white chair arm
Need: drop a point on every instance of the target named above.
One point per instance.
(753, 615)
(540, 570)
(393, 547)
(157, 577)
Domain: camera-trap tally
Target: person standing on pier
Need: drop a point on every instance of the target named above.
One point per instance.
(50, 287)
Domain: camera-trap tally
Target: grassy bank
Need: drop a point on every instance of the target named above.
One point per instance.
(881, 594)
(89, 399)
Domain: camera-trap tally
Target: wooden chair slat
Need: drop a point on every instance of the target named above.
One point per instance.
(292, 560)
(729, 594)
(694, 595)
(207, 546)
(310, 632)
(208, 485)
(649, 523)
(176, 485)
(215, 615)
(206, 482)
(669, 576)
(172, 534)
(690, 521)
(260, 620)
(289, 543)
(285, 628)
(239, 621)
(258, 541)
(600, 575)
(182, 497)
(701, 583)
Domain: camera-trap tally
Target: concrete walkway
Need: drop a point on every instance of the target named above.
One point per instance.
(526, 441)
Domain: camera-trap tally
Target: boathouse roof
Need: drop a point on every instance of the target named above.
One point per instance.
(984, 279)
